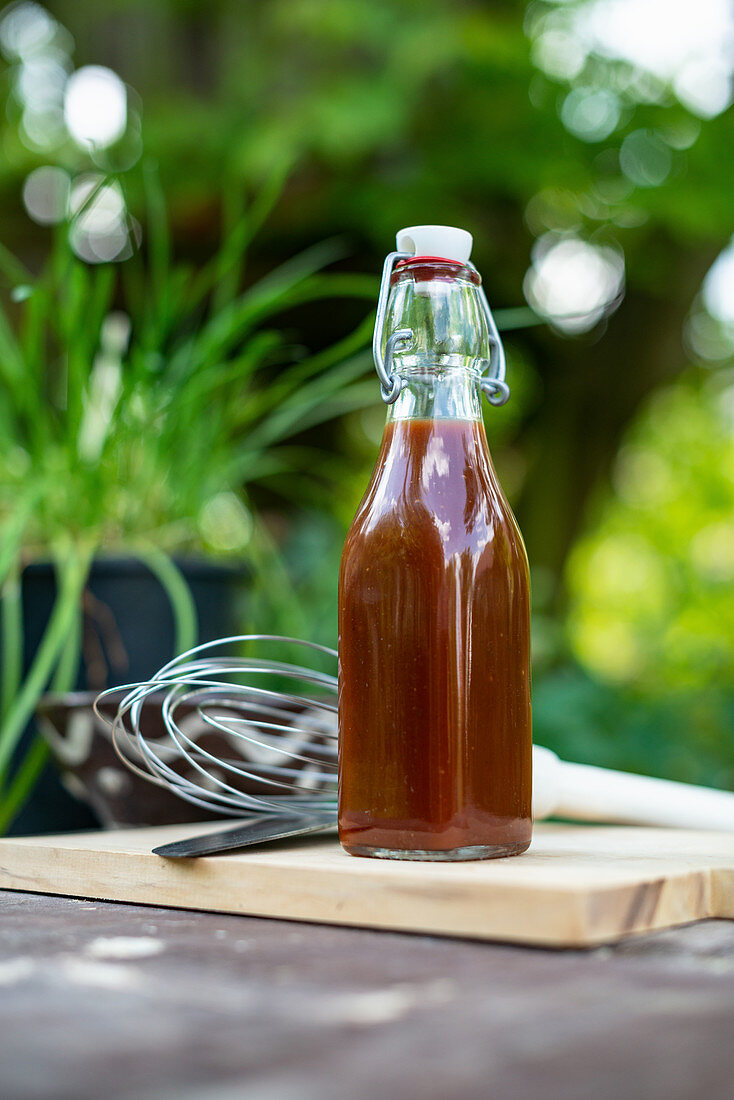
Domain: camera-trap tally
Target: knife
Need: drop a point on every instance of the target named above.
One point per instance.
(260, 830)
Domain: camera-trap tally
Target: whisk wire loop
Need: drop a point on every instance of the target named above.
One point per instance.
(205, 727)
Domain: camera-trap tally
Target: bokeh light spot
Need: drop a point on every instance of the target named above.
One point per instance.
(43, 130)
(559, 53)
(41, 80)
(95, 106)
(226, 523)
(99, 231)
(591, 113)
(25, 28)
(645, 158)
(574, 283)
(642, 478)
(718, 287)
(712, 552)
(46, 195)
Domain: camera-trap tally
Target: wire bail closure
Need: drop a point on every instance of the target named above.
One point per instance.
(391, 384)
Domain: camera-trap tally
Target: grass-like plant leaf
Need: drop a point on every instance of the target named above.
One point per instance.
(137, 394)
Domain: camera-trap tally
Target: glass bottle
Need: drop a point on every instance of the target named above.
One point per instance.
(434, 621)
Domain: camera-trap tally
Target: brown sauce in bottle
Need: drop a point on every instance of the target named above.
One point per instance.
(434, 698)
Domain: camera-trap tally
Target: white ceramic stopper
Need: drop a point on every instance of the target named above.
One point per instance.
(436, 240)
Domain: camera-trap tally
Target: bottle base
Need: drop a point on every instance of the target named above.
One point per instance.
(437, 855)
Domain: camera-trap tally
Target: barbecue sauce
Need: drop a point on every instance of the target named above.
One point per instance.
(434, 704)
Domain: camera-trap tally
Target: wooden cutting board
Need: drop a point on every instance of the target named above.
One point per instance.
(576, 886)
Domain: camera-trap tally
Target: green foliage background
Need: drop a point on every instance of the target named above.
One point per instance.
(616, 448)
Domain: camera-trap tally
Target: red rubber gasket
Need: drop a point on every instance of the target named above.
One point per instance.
(428, 259)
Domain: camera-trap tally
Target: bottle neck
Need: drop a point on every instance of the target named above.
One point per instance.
(438, 394)
(445, 346)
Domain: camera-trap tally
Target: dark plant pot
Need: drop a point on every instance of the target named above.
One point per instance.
(128, 635)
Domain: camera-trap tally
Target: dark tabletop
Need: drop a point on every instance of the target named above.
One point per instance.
(108, 1000)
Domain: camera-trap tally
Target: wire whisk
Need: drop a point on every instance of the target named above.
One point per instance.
(242, 734)
(245, 736)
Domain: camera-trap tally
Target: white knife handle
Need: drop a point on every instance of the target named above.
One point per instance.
(582, 792)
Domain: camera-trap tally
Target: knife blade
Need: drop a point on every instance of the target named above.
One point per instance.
(261, 830)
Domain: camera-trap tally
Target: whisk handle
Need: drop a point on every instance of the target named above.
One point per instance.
(583, 792)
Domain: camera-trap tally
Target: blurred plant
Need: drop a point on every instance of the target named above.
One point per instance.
(683, 735)
(584, 142)
(142, 402)
(651, 581)
(648, 681)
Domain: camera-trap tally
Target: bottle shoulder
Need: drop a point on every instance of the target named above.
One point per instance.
(434, 492)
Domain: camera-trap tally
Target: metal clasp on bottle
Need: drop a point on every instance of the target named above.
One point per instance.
(391, 384)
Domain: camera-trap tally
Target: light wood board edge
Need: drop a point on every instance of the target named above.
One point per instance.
(557, 917)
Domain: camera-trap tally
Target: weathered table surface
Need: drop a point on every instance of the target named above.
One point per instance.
(109, 1000)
